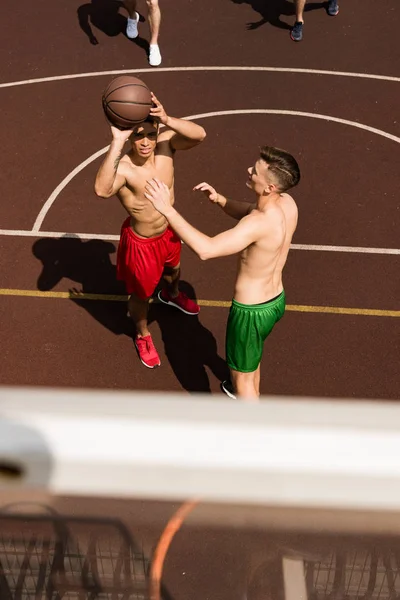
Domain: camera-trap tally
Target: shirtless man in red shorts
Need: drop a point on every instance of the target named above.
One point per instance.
(148, 248)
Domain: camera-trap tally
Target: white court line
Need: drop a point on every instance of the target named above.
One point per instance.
(191, 69)
(53, 196)
(58, 234)
(355, 249)
(47, 205)
(115, 238)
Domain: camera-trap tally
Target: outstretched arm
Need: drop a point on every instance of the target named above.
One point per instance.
(180, 133)
(108, 180)
(233, 208)
(229, 242)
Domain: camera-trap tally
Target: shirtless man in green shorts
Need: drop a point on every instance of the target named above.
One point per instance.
(262, 237)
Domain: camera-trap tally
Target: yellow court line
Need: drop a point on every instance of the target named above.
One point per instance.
(336, 310)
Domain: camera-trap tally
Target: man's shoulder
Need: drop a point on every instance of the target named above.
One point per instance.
(125, 163)
(258, 222)
(165, 134)
(270, 215)
(289, 201)
(163, 146)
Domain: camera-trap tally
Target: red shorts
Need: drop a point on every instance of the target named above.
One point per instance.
(141, 261)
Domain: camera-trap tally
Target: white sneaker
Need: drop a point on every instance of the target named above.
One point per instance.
(154, 55)
(132, 27)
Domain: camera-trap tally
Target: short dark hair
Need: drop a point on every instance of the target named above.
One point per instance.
(282, 165)
(152, 120)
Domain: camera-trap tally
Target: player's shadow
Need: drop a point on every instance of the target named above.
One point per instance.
(189, 346)
(104, 15)
(271, 11)
(88, 264)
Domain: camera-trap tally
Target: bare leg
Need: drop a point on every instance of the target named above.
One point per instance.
(138, 311)
(257, 379)
(245, 385)
(296, 32)
(154, 21)
(133, 19)
(172, 276)
(130, 6)
(299, 10)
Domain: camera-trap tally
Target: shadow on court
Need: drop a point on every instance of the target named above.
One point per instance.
(105, 16)
(88, 264)
(189, 346)
(271, 11)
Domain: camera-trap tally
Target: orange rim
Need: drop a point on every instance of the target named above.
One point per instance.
(163, 545)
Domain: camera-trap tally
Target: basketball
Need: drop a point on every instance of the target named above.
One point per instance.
(126, 101)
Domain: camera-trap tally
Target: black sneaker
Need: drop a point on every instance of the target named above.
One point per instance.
(296, 32)
(333, 8)
(227, 388)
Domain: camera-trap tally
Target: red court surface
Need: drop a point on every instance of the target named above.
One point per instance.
(340, 335)
(333, 101)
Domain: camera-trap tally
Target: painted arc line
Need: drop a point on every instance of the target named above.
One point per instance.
(339, 310)
(115, 238)
(62, 185)
(270, 111)
(199, 68)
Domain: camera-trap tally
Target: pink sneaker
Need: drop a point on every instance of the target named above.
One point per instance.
(147, 352)
(182, 302)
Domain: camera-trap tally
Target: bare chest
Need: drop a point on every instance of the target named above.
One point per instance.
(162, 168)
(132, 194)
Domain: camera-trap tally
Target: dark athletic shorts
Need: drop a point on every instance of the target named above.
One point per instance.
(248, 327)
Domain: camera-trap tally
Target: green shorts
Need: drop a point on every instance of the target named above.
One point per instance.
(248, 327)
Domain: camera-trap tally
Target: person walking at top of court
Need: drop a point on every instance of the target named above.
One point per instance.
(154, 22)
(262, 237)
(296, 32)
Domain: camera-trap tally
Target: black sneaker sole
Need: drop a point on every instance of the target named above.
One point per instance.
(227, 391)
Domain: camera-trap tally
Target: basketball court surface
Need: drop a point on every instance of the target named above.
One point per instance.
(333, 102)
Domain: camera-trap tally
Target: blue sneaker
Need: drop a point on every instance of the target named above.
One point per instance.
(333, 8)
(296, 32)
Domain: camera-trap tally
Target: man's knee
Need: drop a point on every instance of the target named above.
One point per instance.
(171, 271)
(135, 300)
(152, 4)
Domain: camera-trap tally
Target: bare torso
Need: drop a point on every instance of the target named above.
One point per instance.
(259, 277)
(146, 221)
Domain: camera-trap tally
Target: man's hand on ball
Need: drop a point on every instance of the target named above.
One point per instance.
(120, 135)
(157, 110)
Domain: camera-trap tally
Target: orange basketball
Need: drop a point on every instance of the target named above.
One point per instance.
(126, 101)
